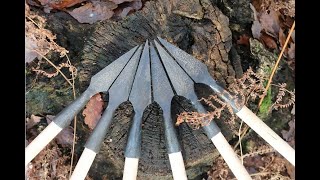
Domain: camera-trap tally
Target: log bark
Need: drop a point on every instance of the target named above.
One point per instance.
(199, 28)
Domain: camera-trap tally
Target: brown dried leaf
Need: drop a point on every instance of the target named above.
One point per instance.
(124, 10)
(50, 163)
(38, 38)
(32, 121)
(219, 170)
(293, 110)
(243, 40)
(65, 137)
(289, 135)
(286, 7)
(290, 170)
(268, 41)
(291, 51)
(293, 35)
(30, 45)
(256, 29)
(61, 4)
(282, 38)
(93, 111)
(270, 22)
(120, 1)
(256, 26)
(136, 4)
(93, 12)
(254, 161)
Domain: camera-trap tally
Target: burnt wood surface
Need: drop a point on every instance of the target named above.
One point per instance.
(197, 27)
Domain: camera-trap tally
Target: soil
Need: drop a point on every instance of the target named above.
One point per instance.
(206, 29)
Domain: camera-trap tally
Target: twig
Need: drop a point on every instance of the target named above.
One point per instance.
(277, 63)
(33, 21)
(74, 122)
(242, 135)
(241, 157)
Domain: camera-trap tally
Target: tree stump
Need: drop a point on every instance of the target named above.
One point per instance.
(200, 29)
(196, 26)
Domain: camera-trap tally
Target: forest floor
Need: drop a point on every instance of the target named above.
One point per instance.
(260, 39)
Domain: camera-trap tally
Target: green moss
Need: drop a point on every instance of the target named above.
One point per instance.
(44, 98)
(265, 105)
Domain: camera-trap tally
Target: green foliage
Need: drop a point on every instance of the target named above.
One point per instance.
(265, 105)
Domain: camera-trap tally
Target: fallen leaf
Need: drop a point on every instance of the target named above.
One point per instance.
(30, 45)
(255, 161)
(289, 135)
(136, 5)
(293, 110)
(32, 121)
(293, 35)
(50, 163)
(33, 3)
(124, 10)
(256, 29)
(54, 4)
(37, 38)
(120, 1)
(65, 137)
(243, 40)
(291, 50)
(93, 12)
(256, 26)
(290, 170)
(269, 21)
(93, 111)
(282, 38)
(287, 22)
(268, 41)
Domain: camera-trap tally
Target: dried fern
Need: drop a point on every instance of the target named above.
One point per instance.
(72, 69)
(280, 97)
(43, 38)
(197, 120)
(194, 119)
(262, 150)
(247, 88)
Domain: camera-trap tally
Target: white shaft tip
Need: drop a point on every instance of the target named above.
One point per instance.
(51, 131)
(177, 166)
(130, 169)
(267, 134)
(84, 164)
(230, 157)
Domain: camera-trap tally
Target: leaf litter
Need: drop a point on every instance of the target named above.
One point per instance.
(52, 162)
(93, 111)
(271, 24)
(37, 38)
(91, 11)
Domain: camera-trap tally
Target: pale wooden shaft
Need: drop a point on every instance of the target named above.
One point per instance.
(130, 168)
(82, 168)
(267, 134)
(177, 166)
(51, 131)
(230, 157)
